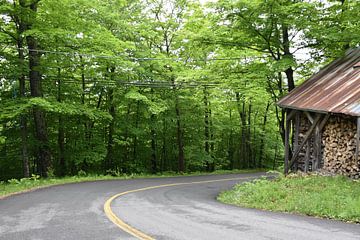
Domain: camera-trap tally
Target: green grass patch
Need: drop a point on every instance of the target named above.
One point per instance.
(329, 197)
(14, 186)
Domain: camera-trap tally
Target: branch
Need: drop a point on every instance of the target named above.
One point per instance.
(261, 35)
(12, 35)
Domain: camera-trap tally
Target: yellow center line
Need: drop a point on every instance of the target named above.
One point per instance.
(135, 232)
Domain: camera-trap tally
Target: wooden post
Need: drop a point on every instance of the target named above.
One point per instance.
(290, 114)
(287, 143)
(357, 141)
(308, 115)
(321, 127)
(317, 148)
(296, 137)
(307, 157)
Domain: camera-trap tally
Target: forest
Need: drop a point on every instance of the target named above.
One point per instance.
(153, 86)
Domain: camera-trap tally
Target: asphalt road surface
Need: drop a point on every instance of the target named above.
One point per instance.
(191, 212)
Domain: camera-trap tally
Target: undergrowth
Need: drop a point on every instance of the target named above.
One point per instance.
(323, 196)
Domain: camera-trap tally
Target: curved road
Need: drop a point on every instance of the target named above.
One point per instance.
(189, 211)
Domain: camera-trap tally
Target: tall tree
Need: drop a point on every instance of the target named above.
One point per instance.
(41, 134)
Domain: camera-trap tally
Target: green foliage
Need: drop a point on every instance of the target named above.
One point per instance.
(81, 173)
(69, 109)
(126, 86)
(329, 197)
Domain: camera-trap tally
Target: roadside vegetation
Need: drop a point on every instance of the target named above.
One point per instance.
(322, 196)
(14, 186)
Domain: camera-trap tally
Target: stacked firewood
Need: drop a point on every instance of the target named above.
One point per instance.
(339, 140)
(304, 127)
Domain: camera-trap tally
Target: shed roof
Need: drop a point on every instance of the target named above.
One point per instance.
(334, 89)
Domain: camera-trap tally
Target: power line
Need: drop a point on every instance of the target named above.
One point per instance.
(145, 81)
(139, 83)
(136, 59)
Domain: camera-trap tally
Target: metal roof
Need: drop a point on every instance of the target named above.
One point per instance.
(334, 89)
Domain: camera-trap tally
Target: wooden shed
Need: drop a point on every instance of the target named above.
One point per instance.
(323, 119)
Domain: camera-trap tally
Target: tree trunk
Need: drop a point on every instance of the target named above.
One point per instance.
(83, 83)
(126, 138)
(231, 145)
(164, 145)
(249, 140)
(180, 143)
(286, 45)
(111, 128)
(262, 141)
(61, 133)
(41, 135)
(23, 118)
(242, 115)
(254, 143)
(153, 145)
(87, 123)
(61, 145)
(206, 129)
(135, 137)
(289, 75)
(212, 143)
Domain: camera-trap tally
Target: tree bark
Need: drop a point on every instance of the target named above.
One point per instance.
(153, 145)
(231, 145)
(180, 143)
(111, 128)
(41, 134)
(262, 141)
(212, 143)
(61, 132)
(135, 137)
(61, 145)
(126, 138)
(286, 45)
(249, 140)
(164, 145)
(242, 114)
(23, 118)
(206, 129)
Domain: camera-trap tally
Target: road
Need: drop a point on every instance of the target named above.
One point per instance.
(189, 211)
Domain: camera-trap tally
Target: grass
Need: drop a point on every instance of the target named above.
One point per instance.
(322, 196)
(15, 186)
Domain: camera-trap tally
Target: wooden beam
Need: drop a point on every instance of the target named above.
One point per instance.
(324, 121)
(317, 148)
(357, 140)
(318, 143)
(307, 157)
(290, 114)
(296, 136)
(308, 115)
(287, 143)
(307, 136)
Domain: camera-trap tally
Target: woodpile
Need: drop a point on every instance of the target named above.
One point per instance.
(323, 143)
(339, 142)
(304, 126)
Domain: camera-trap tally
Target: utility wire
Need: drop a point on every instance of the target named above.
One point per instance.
(143, 81)
(135, 58)
(138, 83)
